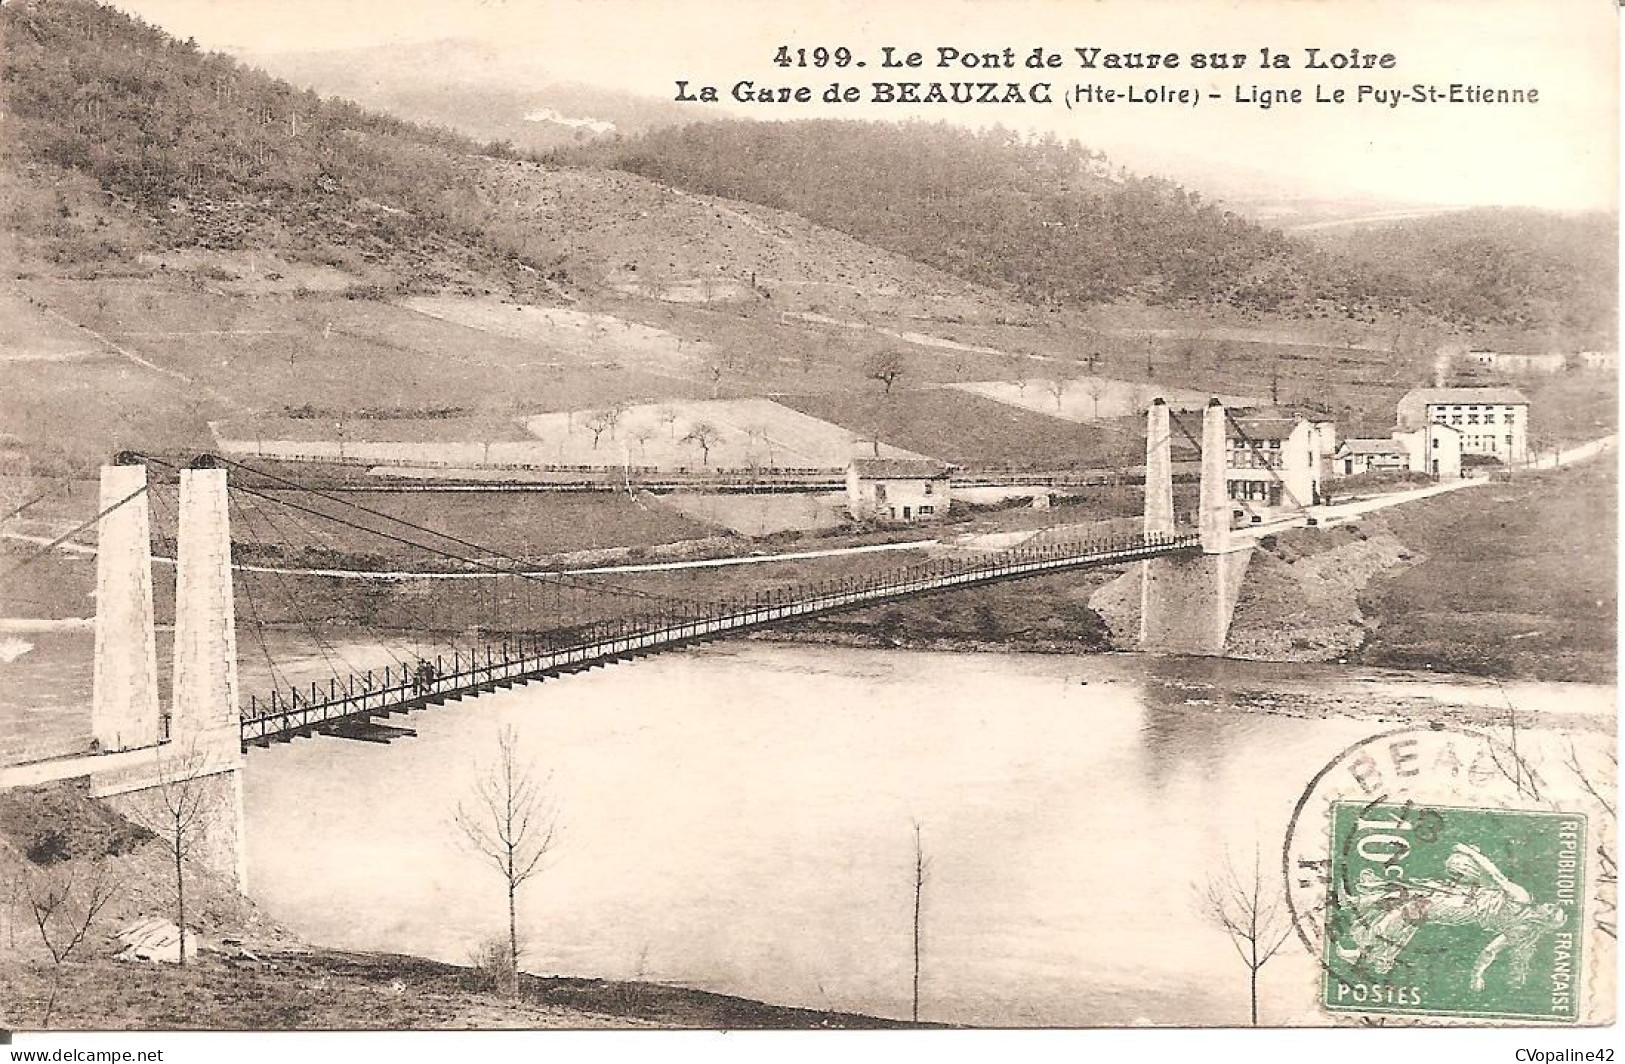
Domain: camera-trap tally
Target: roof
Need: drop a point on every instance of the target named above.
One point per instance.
(1291, 412)
(1457, 396)
(1372, 447)
(899, 468)
(1262, 428)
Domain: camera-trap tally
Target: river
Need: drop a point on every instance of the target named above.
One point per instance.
(740, 818)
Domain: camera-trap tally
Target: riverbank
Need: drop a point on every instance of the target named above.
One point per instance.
(252, 974)
(1515, 580)
(323, 990)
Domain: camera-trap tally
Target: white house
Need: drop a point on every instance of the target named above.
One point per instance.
(1434, 449)
(1275, 462)
(1492, 421)
(897, 489)
(1600, 360)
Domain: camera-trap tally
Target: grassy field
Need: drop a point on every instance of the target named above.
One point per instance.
(147, 363)
(1516, 579)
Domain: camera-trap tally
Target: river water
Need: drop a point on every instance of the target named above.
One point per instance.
(740, 818)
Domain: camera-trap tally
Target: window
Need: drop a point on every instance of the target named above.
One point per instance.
(1489, 417)
(1455, 419)
(880, 493)
(927, 510)
(927, 491)
(1509, 441)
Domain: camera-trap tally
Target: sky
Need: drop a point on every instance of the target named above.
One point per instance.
(1560, 153)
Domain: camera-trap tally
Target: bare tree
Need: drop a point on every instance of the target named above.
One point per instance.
(598, 422)
(1057, 387)
(720, 365)
(668, 418)
(64, 900)
(509, 820)
(643, 434)
(1251, 914)
(1095, 388)
(920, 865)
(180, 811)
(758, 433)
(1606, 918)
(703, 435)
(886, 367)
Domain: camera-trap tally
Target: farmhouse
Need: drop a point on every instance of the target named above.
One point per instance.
(1434, 449)
(1602, 360)
(1275, 461)
(897, 489)
(1492, 421)
(1357, 456)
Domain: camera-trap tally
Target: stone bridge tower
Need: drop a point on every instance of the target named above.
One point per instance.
(1186, 602)
(144, 760)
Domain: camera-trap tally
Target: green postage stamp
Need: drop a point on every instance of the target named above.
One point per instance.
(1446, 911)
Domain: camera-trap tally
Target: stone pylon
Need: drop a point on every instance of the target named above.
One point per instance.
(124, 699)
(1186, 602)
(1213, 519)
(205, 728)
(205, 687)
(1159, 470)
(197, 761)
(1159, 508)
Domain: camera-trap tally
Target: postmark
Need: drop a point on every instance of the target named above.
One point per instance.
(1436, 873)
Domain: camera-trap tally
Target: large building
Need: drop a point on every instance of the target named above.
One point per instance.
(897, 489)
(1493, 422)
(1275, 461)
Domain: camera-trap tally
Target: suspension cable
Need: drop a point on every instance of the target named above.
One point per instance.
(584, 584)
(58, 541)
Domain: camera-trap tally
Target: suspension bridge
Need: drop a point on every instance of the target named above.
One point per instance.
(335, 708)
(213, 518)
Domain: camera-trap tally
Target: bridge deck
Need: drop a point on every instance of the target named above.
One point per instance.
(285, 716)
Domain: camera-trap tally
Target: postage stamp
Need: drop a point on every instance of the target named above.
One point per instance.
(1446, 911)
(1438, 875)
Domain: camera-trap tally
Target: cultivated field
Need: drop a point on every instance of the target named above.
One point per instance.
(745, 434)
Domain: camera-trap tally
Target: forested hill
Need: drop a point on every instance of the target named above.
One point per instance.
(1549, 274)
(1055, 223)
(122, 138)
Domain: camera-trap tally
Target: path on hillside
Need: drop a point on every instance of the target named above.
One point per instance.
(130, 356)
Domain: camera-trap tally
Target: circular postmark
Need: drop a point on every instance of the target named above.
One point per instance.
(1436, 872)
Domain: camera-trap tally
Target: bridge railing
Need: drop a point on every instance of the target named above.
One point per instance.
(469, 670)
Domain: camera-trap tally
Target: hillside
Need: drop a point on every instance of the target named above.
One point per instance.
(1500, 272)
(1057, 224)
(471, 87)
(125, 140)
